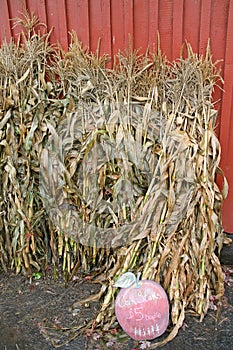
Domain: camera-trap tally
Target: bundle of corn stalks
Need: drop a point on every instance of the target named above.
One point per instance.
(107, 171)
(23, 100)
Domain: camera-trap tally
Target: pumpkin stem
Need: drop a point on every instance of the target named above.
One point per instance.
(137, 280)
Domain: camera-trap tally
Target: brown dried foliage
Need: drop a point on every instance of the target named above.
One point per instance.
(166, 114)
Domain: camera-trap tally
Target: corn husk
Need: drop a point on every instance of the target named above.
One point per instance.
(106, 171)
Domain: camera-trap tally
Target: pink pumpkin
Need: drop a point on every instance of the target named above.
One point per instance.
(142, 310)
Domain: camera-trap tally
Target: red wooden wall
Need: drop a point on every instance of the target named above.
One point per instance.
(176, 20)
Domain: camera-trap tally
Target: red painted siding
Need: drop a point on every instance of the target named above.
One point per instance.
(226, 124)
(176, 20)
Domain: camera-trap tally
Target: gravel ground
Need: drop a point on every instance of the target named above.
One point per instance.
(27, 308)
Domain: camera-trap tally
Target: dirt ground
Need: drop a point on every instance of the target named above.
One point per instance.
(34, 313)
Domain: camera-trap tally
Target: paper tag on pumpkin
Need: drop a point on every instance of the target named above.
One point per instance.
(141, 307)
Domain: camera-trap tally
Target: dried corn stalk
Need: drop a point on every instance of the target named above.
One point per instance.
(124, 161)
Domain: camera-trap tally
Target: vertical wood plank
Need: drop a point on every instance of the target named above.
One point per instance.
(218, 34)
(226, 128)
(107, 30)
(56, 16)
(191, 23)
(117, 24)
(15, 11)
(141, 25)
(177, 27)
(78, 20)
(95, 13)
(205, 19)
(153, 24)
(121, 24)
(165, 26)
(5, 27)
(38, 8)
(128, 10)
(219, 27)
(100, 28)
